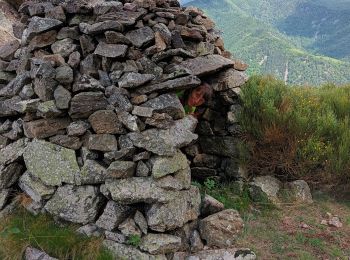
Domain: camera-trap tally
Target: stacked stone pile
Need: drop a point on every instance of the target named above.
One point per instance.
(98, 126)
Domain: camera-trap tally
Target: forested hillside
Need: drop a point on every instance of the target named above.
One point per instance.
(300, 41)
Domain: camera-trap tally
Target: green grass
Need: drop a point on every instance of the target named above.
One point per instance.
(296, 131)
(22, 229)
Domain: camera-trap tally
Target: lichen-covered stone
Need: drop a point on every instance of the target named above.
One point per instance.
(35, 188)
(77, 204)
(221, 229)
(160, 243)
(113, 215)
(163, 166)
(183, 207)
(9, 174)
(51, 163)
(13, 151)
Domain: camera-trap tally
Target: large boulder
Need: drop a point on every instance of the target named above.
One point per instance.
(221, 229)
(77, 204)
(265, 189)
(52, 164)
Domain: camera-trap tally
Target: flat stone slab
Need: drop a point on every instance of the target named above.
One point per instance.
(52, 164)
(77, 204)
(205, 65)
(111, 50)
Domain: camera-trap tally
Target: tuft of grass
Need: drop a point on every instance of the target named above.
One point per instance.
(22, 229)
(134, 240)
(296, 131)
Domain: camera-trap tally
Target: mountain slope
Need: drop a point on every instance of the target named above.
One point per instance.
(250, 29)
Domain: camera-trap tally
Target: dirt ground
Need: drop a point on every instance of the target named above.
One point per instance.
(296, 232)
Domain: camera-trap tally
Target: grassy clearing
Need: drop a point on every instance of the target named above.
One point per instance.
(278, 234)
(22, 229)
(296, 131)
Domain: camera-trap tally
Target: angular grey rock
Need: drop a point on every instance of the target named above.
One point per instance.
(26, 106)
(265, 188)
(222, 228)
(90, 230)
(113, 215)
(153, 140)
(51, 163)
(166, 103)
(299, 190)
(9, 174)
(205, 65)
(106, 122)
(120, 101)
(35, 188)
(220, 145)
(77, 128)
(48, 109)
(91, 173)
(13, 151)
(142, 169)
(62, 97)
(137, 189)
(44, 128)
(39, 25)
(86, 103)
(196, 242)
(68, 32)
(228, 79)
(163, 121)
(15, 85)
(32, 253)
(121, 169)
(64, 47)
(163, 166)
(141, 37)
(183, 207)
(128, 120)
(102, 142)
(44, 88)
(181, 180)
(187, 82)
(210, 206)
(64, 75)
(141, 222)
(129, 228)
(107, 7)
(115, 237)
(87, 83)
(42, 40)
(160, 243)
(182, 132)
(4, 196)
(142, 111)
(8, 50)
(115, 37)
(70, 142)
(121, 251)
(163, 55)
(111, 50)
(134, 80)
(229, 254)
(87, 44)
(77, 204)
(101, 27)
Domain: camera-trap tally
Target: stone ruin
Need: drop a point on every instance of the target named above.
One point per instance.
(107, 108)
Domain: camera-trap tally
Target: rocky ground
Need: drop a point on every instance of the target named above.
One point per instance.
(8, 16)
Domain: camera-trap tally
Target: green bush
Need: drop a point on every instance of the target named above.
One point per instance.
(296, 131)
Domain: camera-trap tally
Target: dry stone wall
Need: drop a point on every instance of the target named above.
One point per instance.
(106, 108)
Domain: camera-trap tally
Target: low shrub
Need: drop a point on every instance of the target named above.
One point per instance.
(296, 131)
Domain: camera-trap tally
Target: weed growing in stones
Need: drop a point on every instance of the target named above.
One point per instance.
(134, 240)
